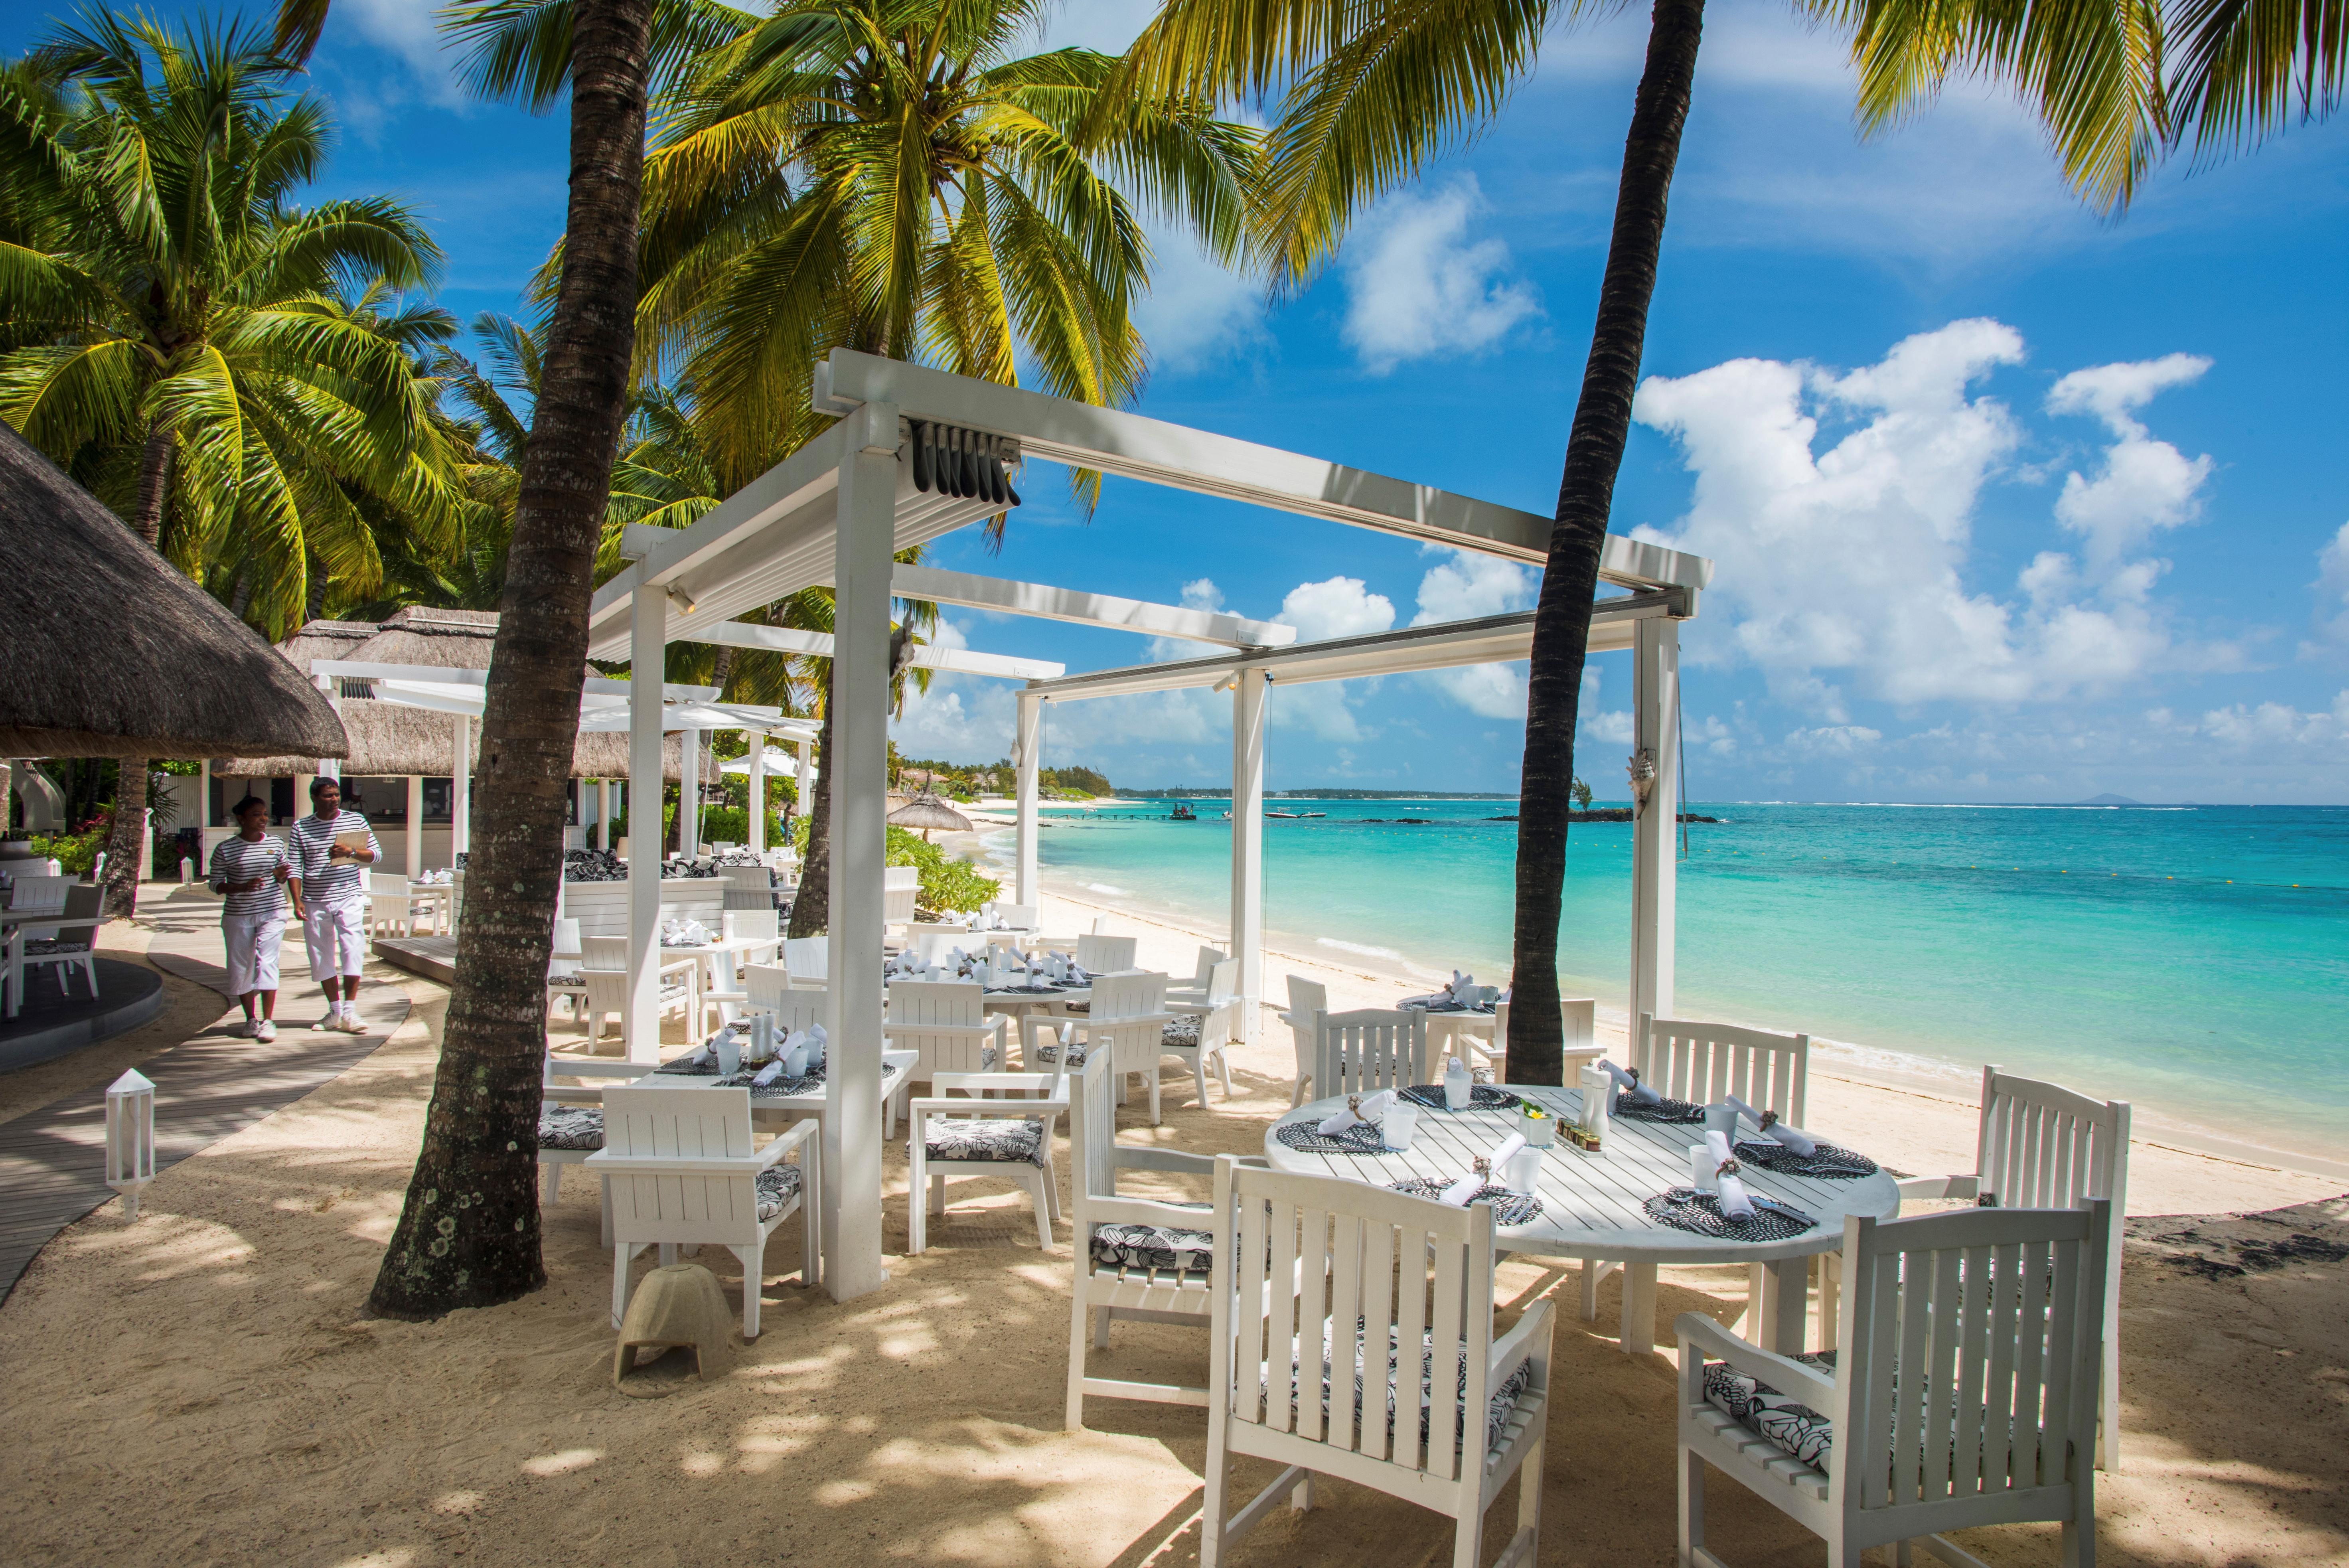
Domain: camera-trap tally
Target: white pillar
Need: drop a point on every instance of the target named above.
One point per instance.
(859, 779)
(603, 813)
(807, 774)
(204, 807)
(461, 791)
(754, 836)
(415, 826)
(1655, 843)
(1247, 846)
(648, 642)
(1029, 749)
(688, 797)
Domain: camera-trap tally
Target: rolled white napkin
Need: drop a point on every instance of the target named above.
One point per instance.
(816, 1046)
(1462, 989)
(1496, 1163)
(1736, 1201)
(729, 1052)
(795, 1053)
(1770, 1125)
(1628, 1081)
(1358, 1108)
(767, 1075)
(1077, 974)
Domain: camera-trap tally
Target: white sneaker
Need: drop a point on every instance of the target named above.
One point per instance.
(348, 1023)
(265, 1030)
(243, 1028)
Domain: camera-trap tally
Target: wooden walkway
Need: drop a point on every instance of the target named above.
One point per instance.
(52, 1161)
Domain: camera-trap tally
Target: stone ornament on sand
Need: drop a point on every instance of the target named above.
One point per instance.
(676, 1307)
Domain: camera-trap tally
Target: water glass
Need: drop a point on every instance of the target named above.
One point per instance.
(1400, 1126)
(1722, 1118)
(1524, 1172)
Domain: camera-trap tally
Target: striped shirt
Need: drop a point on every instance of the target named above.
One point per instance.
(324, 880)
(241, 860)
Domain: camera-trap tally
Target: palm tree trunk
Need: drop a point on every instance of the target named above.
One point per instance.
(154, 484)
(126, 844)
(1585, 493)
(469, 1234)
(812, 905)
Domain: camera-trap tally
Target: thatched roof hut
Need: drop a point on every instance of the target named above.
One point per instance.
(114, 653)
(391, 739)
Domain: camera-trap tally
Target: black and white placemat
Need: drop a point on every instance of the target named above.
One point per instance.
(1690, 1209)
(1829, 1160)
(1660, 1109)
(1509, 1208)
(1481, 1098)
(1307, 1137)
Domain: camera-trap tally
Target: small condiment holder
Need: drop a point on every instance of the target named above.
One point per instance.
(1536, 1126)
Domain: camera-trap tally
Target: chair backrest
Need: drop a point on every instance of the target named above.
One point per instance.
(762, 925)
(809, 959)
(1106, 955)
(1224, 1022)
(686, 1124)
(1019, 917)
(1101, 925)
(1207, 960)
(897, 905)
(1092, 1138)
(1685, 1060)
(1369, 1278)
(765, 985)
(606, 992)
(1362, 1051)
(900, 879)
(1116, 996)
(794, 1009)
(940, 1019)
(1577, 1019)
(563, 960)
(937, 945)
(2043, 1147)
(602, 952)
(1305, 998)
(35, 891)
(386, 883)
(83, 901)
(1968, 1355)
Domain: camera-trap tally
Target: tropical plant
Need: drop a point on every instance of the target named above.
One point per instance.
(1369, 90)
(175, 333)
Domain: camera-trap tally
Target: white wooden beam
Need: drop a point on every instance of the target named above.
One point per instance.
(641, 1028)
(1110, 441)
(1028, 746)
(1048, 603)
(1247, 847)
(1655, 849)
(926, 656)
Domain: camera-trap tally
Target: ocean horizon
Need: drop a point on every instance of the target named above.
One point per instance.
(2189, 957)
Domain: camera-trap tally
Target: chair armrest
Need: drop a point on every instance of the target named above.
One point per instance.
(796, 1136)
(680, 966)
(1700, 1334)
(1942, 1187)
(921, 1105)
(569, 1095)
(1128, 1159)
(1147, 1212)
(596, 1067)
(1033, 1083)
(1532, 1333)
(725, 996)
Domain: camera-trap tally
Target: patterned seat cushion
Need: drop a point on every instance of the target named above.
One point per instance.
(776, 1186)
(34, 945)
(571, 1127)
(1163, 1247)
(1785, 1423)
(1050, 1052)
(994, 1139)
(1498, 1406)
(1183, 1034)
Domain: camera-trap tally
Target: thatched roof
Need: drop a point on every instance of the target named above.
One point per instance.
(113, 653)
(392, 740)
(925, 810)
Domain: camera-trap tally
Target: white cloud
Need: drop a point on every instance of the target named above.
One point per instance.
(1615, 726)
(961, 717)
(1465, 586)
(1417, 285)
(1849, 565)
(2277, 724)
(1196, 313)
(408, 29)
(2331, 588)
(1336, 606)
(1835, 740)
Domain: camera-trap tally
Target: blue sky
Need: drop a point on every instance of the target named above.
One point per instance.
(2008, 503)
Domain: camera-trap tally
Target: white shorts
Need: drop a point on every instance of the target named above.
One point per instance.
(253, 951)
(335, 935)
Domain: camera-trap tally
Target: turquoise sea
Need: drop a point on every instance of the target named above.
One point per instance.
(2194, 960)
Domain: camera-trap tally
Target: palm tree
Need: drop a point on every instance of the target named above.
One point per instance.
(893, 175)
(174, 329)
(1371, 89)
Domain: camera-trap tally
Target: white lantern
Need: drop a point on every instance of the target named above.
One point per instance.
(130, 1138)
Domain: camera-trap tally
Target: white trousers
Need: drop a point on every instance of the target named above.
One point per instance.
(253, 941)
(335, 935)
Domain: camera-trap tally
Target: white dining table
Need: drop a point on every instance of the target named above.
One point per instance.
(1593, 1204)
(1447, 1025)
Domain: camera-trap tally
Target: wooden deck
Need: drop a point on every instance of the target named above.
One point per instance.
(51, 1023)
(52, 1163)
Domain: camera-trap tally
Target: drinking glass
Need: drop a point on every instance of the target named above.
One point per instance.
(1400, 1124)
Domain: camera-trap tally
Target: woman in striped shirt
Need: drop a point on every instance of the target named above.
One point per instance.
(250, 871)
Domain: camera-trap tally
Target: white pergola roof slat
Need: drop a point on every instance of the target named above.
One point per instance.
(1047, 603)
(1494, 640)
(1180, 458)
(926, 656)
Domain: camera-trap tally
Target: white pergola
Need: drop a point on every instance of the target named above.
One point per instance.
(841, 507)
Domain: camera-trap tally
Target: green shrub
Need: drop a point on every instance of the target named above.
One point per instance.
(947, 883)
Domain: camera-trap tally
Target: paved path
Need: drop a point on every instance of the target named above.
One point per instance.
(52, 1161)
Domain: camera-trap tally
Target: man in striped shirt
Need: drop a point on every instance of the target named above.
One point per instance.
(250, 872)
(332, 846)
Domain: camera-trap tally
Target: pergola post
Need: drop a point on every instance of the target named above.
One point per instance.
(461, 791)
(755, 835)
(603, 813)
(1027, 748)
(1247, 845)
(807, 773)
(1656, 709)
(415, 860)
(857, 773)
(648, 647)
(688, 797)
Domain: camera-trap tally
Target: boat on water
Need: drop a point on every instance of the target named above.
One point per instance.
(1182, 812)
(1284, 813)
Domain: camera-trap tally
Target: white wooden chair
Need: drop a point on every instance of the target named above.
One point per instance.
(73, 942)
(946, 1024)
(36, 892)
(563, 982)
(748, 889)
(1144, 1260)
(1363, 1051)
(1578, 1017)
(2041, 1145)
(1963, 1392)
(685, 1170)
(1128, 1023)
(1105, 954)
(603, 977)
(571, 1121)
(958, 1130)
(1017, 916)
(391, 911)
(1197, 989)
(757, 926)
(1306, 998)
(809, 959)
(1204, 1027)
(900, 885)
(1398, 1288)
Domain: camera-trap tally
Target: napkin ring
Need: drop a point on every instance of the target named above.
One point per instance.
(1482, 1166)
(1769, 1121)
(1354, 1106)
(1728, 1168)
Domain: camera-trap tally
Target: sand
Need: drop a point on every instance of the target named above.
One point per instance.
(203, 1386)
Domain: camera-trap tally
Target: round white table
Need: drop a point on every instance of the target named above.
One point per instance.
(1592, 1204)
